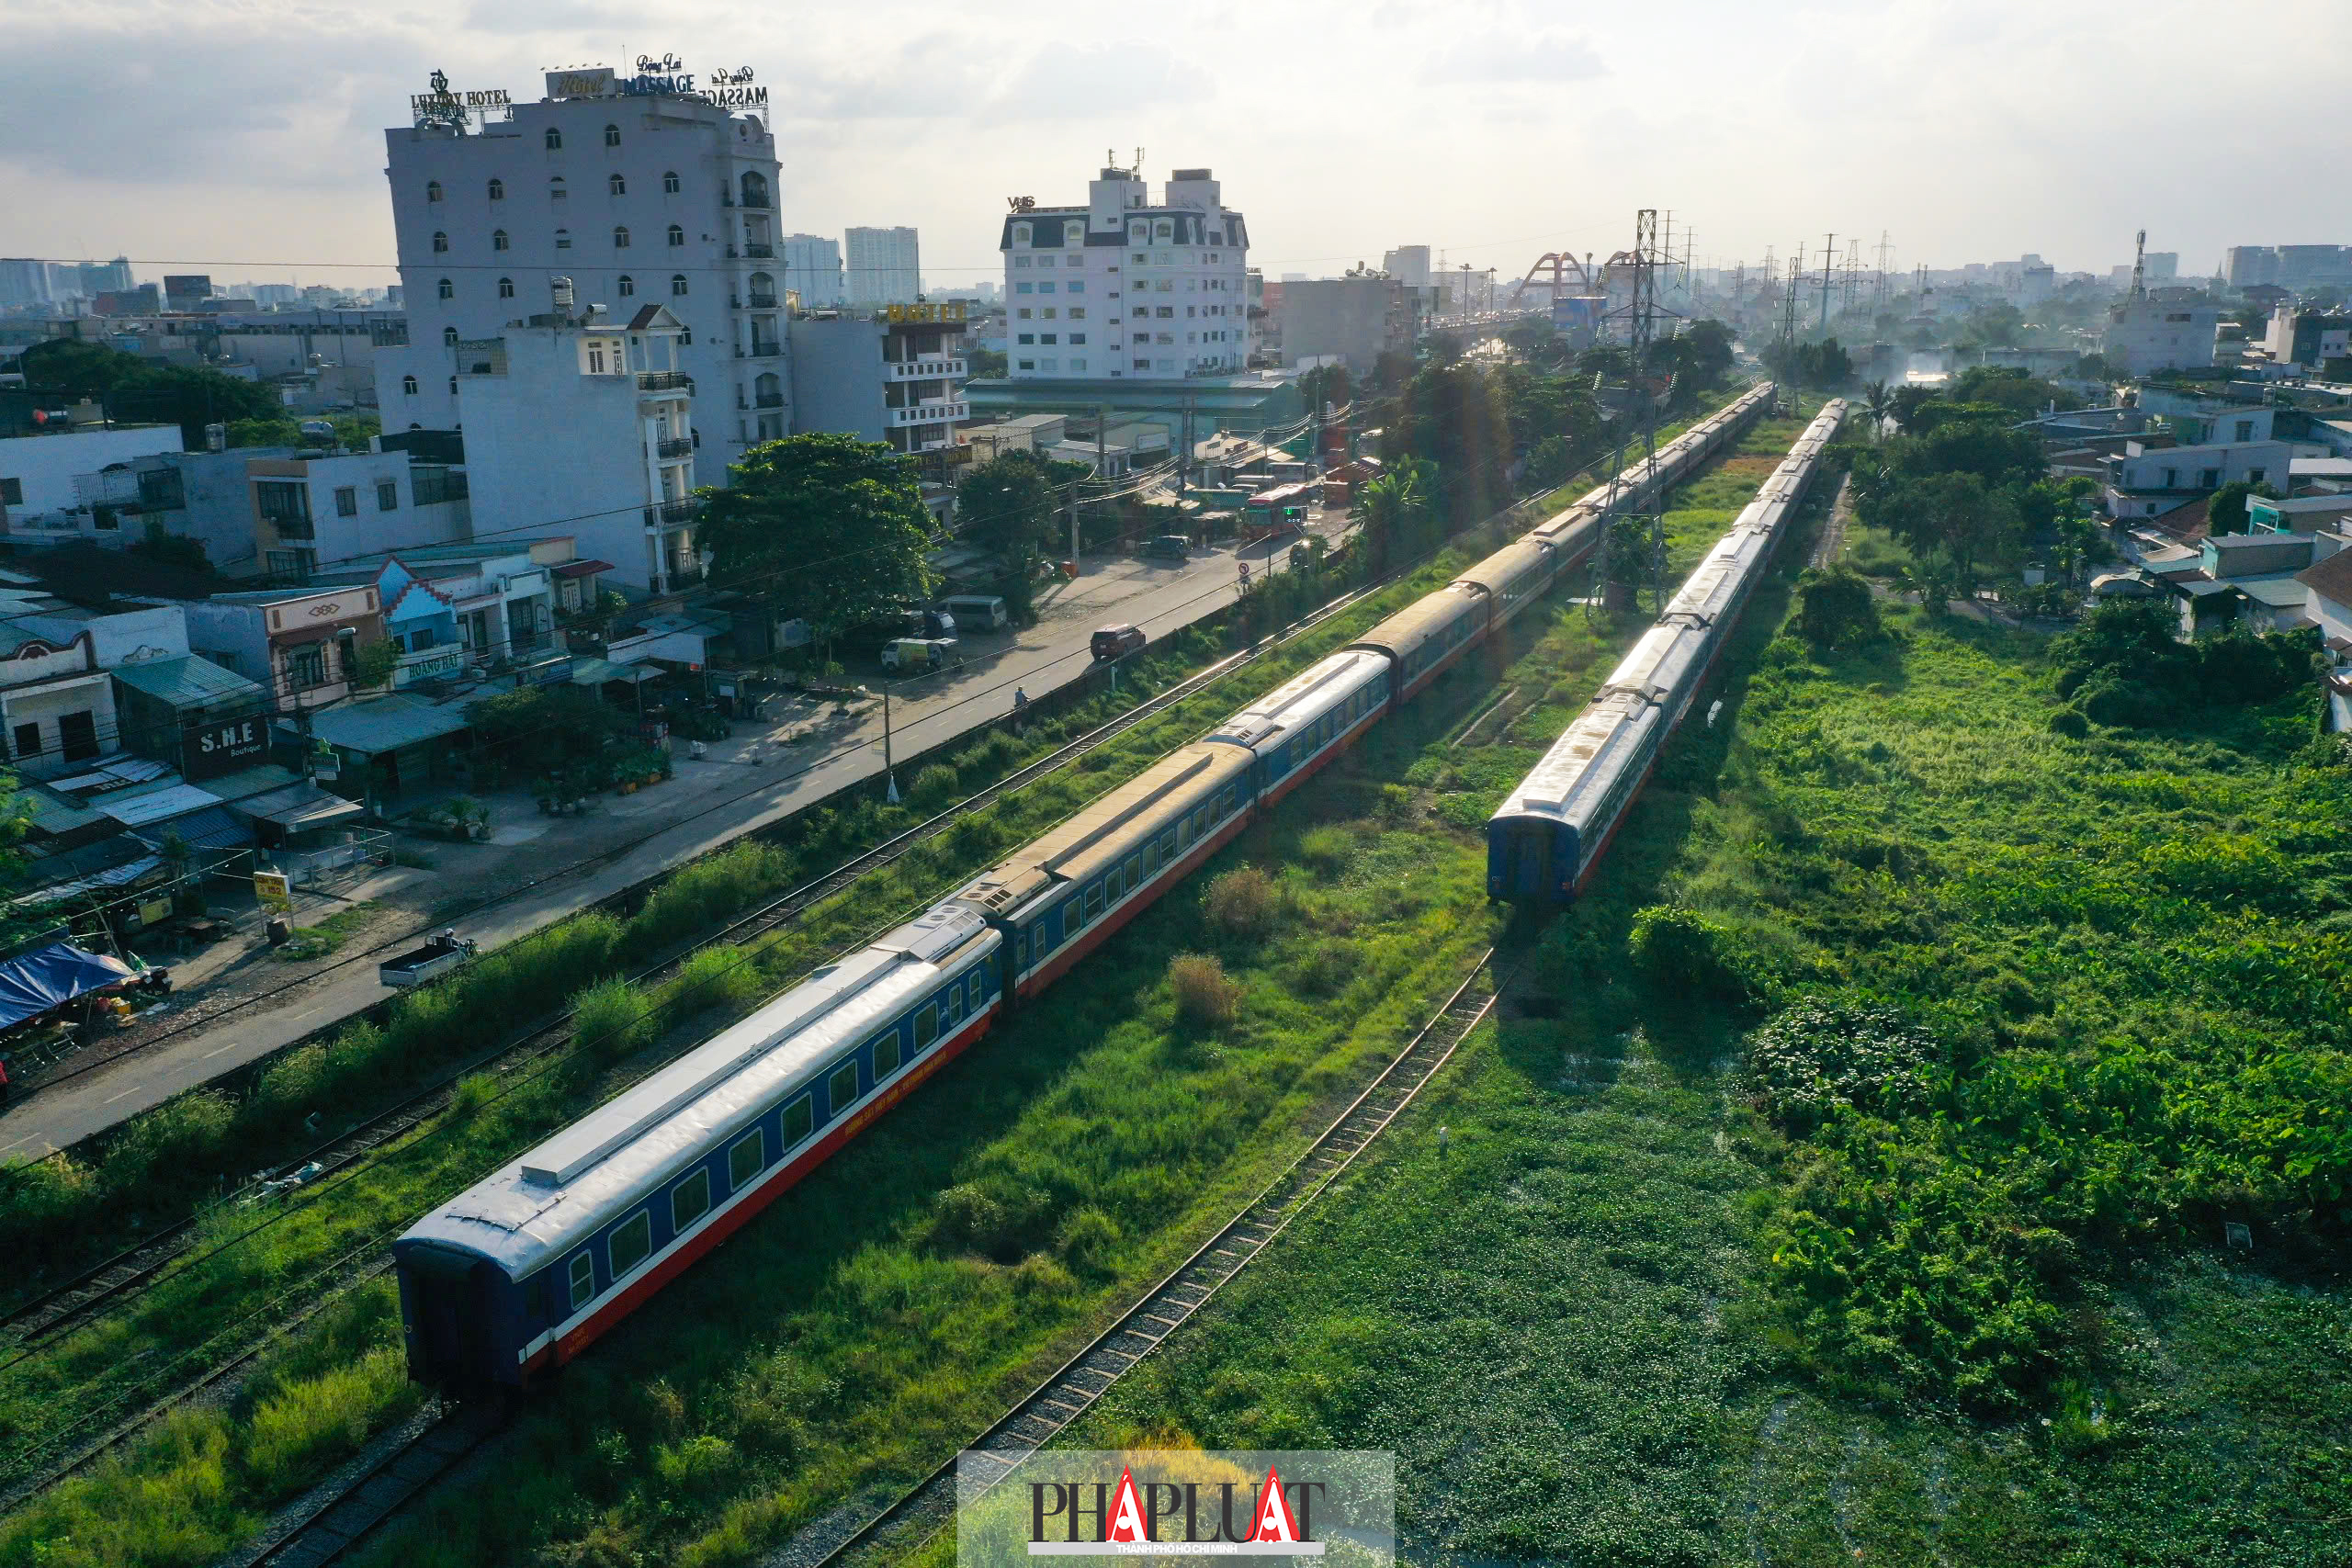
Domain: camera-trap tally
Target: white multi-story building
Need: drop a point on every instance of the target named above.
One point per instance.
(581, 423)
(884, 267)
(2169, 330)
(1119, 288)
(812, 269)
(636, 193)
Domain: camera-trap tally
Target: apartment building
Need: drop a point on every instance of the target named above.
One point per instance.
(884, 267)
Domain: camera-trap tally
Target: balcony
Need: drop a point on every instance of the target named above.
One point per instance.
(762, 302)
(922, 369)
(665, 381)
(760, 253)
(671, 513)
(762, 351)
(768, 400)
(928, 413)
(682, 447)
(754, 201)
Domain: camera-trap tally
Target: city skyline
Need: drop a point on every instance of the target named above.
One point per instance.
(1946, 125)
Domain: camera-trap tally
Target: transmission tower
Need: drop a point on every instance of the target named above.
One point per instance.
(1641, 313)
(1828, 259)
(1788, 344)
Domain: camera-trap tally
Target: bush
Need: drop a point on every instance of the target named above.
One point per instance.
(611, 1019)
(721, 977)
(1835, 610)
(936, 788)
(1684, 953)
(1822, 1054)
(2069, 722)
(1243, 902)
(1206, 999)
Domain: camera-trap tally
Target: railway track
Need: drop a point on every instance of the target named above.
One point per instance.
(394, 1470)
(1047, 1410)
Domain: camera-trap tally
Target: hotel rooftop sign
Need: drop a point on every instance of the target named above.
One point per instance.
(662, 77)
(444, 106)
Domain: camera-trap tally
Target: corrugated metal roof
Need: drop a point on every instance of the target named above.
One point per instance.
(247, 782)
(161, 805)
(187, 682)
(213, 828)
(385, 723)
(299, 804)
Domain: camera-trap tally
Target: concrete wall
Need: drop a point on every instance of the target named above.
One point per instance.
(44, 466)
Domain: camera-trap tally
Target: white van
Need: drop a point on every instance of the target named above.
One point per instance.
(978, 612)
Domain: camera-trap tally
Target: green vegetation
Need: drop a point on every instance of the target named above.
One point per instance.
(317, 941)
(1851, 1179)
(132, 388)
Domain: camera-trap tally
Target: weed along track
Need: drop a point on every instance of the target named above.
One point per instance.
(928, 1507)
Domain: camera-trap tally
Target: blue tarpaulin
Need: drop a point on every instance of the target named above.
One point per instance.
(32, 983)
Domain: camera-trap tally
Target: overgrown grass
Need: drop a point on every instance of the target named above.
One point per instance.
(325, 938)
(1623, 1316)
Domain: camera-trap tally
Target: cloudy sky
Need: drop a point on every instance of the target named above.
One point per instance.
(244, 136)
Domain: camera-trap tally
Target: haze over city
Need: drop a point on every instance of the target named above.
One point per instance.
(208, 134)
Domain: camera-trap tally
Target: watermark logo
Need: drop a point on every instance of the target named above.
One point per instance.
(1335, 1507)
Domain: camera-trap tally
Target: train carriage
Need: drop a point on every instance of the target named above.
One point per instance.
(1063, 895)
(1308, 719)
(1513, 578)
(525, 1269)
(1423, 639)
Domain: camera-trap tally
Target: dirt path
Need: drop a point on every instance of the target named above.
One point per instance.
(1832, 543)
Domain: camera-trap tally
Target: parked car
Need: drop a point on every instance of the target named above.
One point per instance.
(979, 612)
(1117, 642)
(916, 655)
(1168, 546)
(930, 622)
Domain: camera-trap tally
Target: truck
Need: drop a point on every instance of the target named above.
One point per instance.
(440, 953)
(918, 655)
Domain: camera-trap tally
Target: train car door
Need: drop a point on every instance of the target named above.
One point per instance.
(452, 1339)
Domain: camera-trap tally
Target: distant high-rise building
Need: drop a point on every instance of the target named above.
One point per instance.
(884, 267)
(186, 290)
(812, 269)
(23, 282)
(2288, 266)
(1407, 263)
(2163, 264)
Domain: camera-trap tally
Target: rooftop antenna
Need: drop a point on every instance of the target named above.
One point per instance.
(2139, 267)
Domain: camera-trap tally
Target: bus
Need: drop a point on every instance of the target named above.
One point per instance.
(1271, 512)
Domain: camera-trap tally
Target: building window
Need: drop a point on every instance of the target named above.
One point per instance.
(563, 239)
(1048, 312)
(1078, 312)
(1050, 365)
(346, 501)
(28, 740)
(1051, 338)
(670, 183)
(1167, 312)
(433, 190)
(1076, 287)
(388, 495)
(620, 237)
(1028, 337)
(285, 505)
(448, 337)
(446, 289)
(440, 242)
(1164, 229)
(1023, 313)
(1020, 235)
(77, 735)
(506, 288)
(755, 189)
(677, 283)
(612, 136)
(1074, 232)
(677, 235)
(629, 286)
(408, 386)
(1077, 367)
(617, 184)
(1028, 364)
(1077, 338)
(453, 386)
(1044, 289)
(498, 190)
(498, 239)
(1138, 232)
(554, 140)
(1143, 364)
(1142, 311)
(557, 189)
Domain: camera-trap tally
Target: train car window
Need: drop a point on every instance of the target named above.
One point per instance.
(1094, 901)
(1151, 858)
(1112, 885)
(798, 1118)
(632, 1239)
(951, 1007)
(1167, 844)
(1020, 950)
(1135, 871)
(885, 1055)
(583, 1279)
(1185, 830)
(745, 1160)
(980, 989)
(689, 1200)
(841, 1089)
(926, 1026)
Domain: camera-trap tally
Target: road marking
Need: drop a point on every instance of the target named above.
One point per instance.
(220, 1050)
(126, 1094)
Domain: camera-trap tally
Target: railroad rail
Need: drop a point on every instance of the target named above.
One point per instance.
(333, 1517)
(1046, 1411)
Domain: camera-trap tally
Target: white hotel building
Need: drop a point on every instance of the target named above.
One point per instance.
(1120, 288)
(649, 196)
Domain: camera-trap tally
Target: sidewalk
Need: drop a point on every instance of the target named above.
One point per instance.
(739, 786)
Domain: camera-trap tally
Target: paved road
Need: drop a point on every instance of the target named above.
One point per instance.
(741, 784)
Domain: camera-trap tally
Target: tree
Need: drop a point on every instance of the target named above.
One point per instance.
(1007, 505)
(986, 362)
(173, 549)
(1959, 514)
(826, 527)
(2009, 390)
(134, 388)
(1551, 462)
(1396, 517)
(1998, 325)
(2226, 512)
(1877, 401)
(1703, 351)
(1453, 416)
(1325, 384)
(372, 663)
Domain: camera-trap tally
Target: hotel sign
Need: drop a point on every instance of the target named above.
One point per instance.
(951, 311)
(443, 107)
(665, 76)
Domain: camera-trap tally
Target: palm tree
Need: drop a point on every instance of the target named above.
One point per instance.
(1877, 401)
(1388, 511)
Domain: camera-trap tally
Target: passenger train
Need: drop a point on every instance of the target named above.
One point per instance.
(1543, 841)
(525, 1269)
